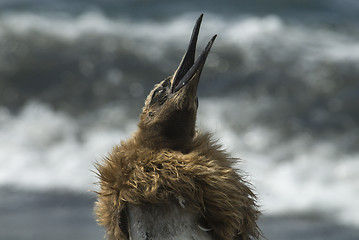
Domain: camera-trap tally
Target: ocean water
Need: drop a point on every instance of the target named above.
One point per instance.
(279, 90)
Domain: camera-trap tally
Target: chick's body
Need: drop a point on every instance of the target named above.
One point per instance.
(170, 182)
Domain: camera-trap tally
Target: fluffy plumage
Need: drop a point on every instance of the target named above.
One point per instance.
(203, 177)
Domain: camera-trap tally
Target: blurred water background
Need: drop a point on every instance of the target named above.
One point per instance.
(280, 90)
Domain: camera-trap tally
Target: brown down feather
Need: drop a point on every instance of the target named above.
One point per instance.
(203, 177)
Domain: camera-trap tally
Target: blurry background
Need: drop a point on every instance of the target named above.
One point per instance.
(280, 90)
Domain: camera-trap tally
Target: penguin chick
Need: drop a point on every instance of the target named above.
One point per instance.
(170, 182)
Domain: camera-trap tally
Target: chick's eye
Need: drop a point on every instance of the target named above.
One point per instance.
(159, 96)
(158, 92)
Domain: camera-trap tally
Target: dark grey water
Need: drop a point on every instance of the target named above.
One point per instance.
(58, 216)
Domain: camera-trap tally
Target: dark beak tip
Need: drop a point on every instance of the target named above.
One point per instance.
(200, 17)
(188, 66)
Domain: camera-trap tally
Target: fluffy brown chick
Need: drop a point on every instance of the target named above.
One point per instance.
(170, 182)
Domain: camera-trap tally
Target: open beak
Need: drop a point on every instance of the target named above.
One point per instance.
(189, 70)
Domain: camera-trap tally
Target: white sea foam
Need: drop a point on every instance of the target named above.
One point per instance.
(45, 149)
(148, 38)
(294, 176)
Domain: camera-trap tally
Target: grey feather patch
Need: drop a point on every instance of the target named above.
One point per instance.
(203, 228)
(181, 202)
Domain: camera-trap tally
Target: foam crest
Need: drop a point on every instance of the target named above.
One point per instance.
(250, 34)
(45, 149)
(292, 176)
